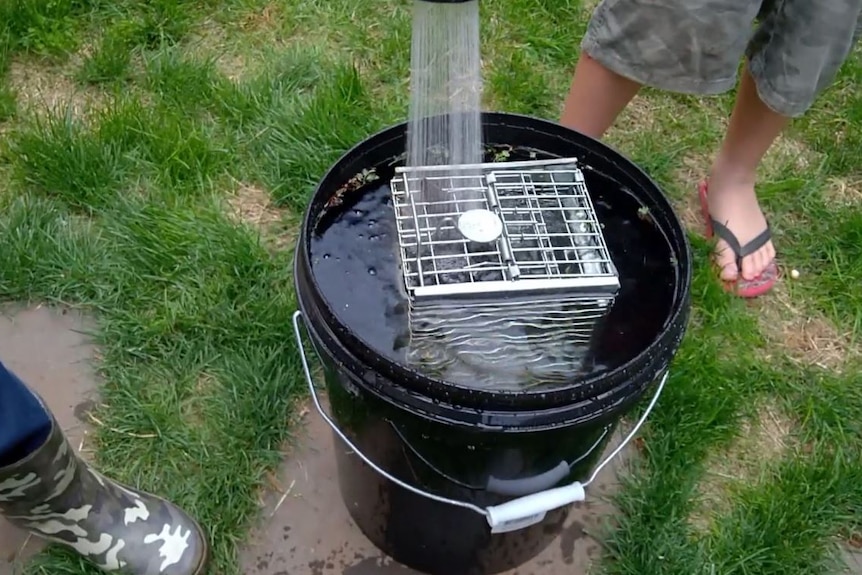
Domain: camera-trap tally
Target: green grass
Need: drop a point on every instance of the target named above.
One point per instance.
(120, 211)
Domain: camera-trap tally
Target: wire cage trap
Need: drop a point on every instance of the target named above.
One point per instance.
(505, 266)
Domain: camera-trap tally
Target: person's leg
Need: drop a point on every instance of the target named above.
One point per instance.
(672, 45)
(795, 53)
(732, 202)
(24, 425)
(46, 489)
(596, 98)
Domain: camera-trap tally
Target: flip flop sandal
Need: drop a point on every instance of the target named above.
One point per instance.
(742, 287)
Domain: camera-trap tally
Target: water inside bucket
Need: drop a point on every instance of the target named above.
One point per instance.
(356, 263)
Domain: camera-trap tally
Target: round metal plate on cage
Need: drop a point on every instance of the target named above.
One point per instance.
(480, 226)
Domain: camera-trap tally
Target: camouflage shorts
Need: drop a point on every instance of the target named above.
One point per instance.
(794, 47)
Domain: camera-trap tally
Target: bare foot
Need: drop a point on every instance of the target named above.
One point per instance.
(732, 202)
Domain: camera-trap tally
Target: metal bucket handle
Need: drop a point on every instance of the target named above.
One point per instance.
(512, 515)
(509, 487)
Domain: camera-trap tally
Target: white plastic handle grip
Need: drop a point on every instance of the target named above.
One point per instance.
(530, 509)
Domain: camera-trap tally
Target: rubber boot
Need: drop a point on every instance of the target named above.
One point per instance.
(55, 495)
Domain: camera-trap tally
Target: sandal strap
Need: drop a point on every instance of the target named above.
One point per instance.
(732, 241)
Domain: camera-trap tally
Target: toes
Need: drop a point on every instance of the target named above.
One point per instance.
(726, 262)
(751, 265)
(770, 249)
(729, 273)
(755, 264)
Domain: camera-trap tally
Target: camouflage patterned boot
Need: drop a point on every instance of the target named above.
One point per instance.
(55, 495)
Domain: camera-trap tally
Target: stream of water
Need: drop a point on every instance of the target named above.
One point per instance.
(444, 125)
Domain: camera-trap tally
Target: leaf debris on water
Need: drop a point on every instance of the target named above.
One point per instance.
(366, 176)
(645, 215)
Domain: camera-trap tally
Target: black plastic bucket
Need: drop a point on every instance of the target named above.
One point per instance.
(454, 480)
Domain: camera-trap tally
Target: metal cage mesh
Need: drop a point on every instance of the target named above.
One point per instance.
(520, 303)
(550, 237)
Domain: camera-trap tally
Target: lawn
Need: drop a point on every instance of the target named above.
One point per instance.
(155, 158)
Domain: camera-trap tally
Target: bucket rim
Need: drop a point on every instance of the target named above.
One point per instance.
(534, 419)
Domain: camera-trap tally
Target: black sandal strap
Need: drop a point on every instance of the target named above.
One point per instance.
(732, 241)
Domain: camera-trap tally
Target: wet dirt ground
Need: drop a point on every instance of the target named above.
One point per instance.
(305, 528)
(49, 350)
